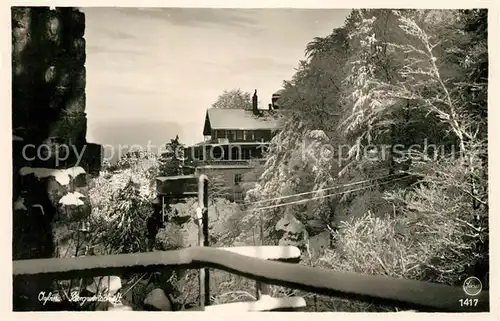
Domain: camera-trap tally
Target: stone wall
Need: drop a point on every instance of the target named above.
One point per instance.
(49, 128)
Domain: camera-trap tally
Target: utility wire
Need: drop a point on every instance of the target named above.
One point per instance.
(328, 195)
(320, 190)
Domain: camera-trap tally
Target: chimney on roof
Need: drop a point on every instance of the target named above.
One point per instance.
(274, 100)
(255, 108)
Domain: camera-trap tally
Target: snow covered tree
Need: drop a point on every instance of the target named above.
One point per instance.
(426, 83)
(172, 160)
(400, 77)
(302, 157)
(235, 98)
(122, 202)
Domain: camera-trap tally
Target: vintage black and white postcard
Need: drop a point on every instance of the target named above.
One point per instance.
(266, 158)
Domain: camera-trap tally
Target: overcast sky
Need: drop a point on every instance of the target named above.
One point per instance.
(152, 73)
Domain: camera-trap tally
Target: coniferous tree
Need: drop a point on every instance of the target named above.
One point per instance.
(172, 161)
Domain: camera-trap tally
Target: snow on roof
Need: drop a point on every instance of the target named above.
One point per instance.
(221, 118)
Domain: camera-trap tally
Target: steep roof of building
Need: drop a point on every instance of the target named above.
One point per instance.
(243, 119)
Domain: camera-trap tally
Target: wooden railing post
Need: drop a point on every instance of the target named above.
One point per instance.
(261, 288)
(203, 238)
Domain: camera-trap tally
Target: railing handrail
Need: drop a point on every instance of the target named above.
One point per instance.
(228, 161)
(378, 289)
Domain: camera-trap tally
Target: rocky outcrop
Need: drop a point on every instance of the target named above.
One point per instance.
(50, 160)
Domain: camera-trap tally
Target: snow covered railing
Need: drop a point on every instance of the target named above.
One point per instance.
(265, 303)
(377, 289)
(227, 162)
(290, 254)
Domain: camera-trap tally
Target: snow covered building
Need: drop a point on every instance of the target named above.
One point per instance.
(235, 140)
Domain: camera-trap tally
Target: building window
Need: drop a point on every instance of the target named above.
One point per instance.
(234, 152)
(237, 179)
(233, 135)
(238, 197)
(239, 135)
(251, 135)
